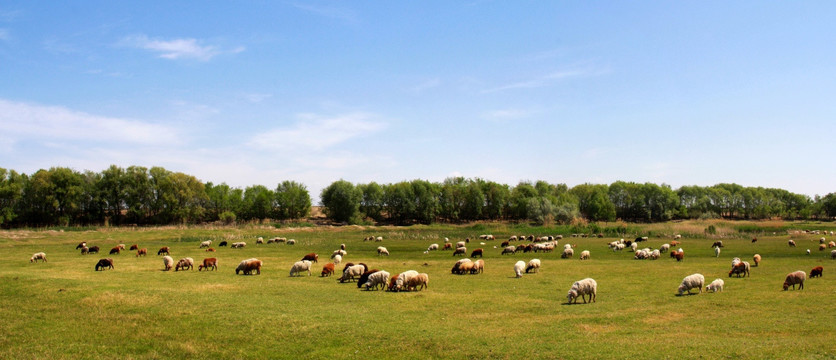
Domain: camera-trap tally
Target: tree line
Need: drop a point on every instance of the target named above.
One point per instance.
(137, 195)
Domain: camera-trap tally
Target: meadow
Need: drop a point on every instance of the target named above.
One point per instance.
(63, 309)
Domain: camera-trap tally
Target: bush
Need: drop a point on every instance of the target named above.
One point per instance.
(710, 230)
(227, 217)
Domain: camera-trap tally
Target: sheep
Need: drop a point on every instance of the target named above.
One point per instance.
(633, 246)
(313, 257)
(833, 254)
(716, 252)
(754, 240)
(691, 282)
(512, 238)
(518, 268)
(808, 251)
(460, 251)
(460, 244)
(337, 259)
(104, 263)
(816, 272)
(457, 266)
(715, 286)
(121, 247)
(791, 243)
(585, 255)
(365, 277)
(247, 266)
(164, 250)
(81, 245)
(533, 266)
(300, 266)
(678, 255)
(677, 236)
(476, 252)
(222, 243)
(259, 241)
(582, 288)
(327, 270)
(338, 252)
(290, 242)
(85, 250)
(511, 249)
(740, 268)
(735, 261)
(567, 253)
(831, 244)
(421, 280)
(134, 247)
(205, 244)
(350, 272)
(822, 240)
(664, 248)
(447, 246)
(478, 267)
(115, 250)
(795, 278)
(756, 259)
(210, 250)
(465, 267)
(38, 256)
(238, 245)
(674, 243)
(184, 263)
(382, 251)
(432, 247)
(380, 278)
(142, 252)
(404, 278)
(393, 283)
(342, 246)
(168, 262)
(504, 244)
(718, 244)
(822, 247)
(378, 239)
(208, 263)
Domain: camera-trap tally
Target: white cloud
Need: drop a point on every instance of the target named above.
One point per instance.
(185, 48)
(542, 81)
(426, 85)
(256, 98)
(316, 133)
(506, 114)
(55, 123)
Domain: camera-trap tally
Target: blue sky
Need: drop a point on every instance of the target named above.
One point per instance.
(257, 92)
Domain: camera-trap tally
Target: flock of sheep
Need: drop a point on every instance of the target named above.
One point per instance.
(411, 280)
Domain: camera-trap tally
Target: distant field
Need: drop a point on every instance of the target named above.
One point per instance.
(64, 309)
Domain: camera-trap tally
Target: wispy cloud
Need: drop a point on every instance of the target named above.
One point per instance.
(542, 81)
(426, 85)
(313, 132)
(54, 123)
(506, 114)
(333, 12)
(184, 48)
(256, 98)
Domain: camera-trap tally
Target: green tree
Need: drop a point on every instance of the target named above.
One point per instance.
(372, 204)
(342, 201)
(292, 200)
(257, 203)
(11, 192)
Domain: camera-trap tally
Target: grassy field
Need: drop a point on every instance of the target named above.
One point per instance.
(64, 309)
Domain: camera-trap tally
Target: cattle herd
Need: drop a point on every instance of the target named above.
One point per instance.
(411, 280)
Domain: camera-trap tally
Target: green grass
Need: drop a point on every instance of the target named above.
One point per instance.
(64, 309)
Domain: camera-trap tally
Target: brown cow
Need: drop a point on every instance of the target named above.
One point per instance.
(207, 263)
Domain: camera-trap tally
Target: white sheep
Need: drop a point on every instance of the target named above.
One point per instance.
(567, 253)
(634, 246)
(238, 245)
(339, 252)
(382, 251)
(300, 266)
(432, 247)
(691, 282)
(337, 259)
(533, 266)
(582, 288)
(655, 254)
(715, 286)
(168, 262)
(518, 268)
(735, 261)
(585, 255)
(38, 256)
(380, 278)
(379, 238)
(511, 249)
(290, 242)
(403, 279)
(259, 241)
(352, 271)
(795, 278)
(833, 254)
(460, 244)
(664, 247)
(716, 251)
(205, 244)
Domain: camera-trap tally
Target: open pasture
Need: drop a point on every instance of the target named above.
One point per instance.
(65, 309)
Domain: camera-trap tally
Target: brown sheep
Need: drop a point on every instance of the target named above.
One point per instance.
(210, 250)
(184, 263)
(115, 250)
(754, 240)
(312, 257)
(393, 282)
(678, 255)
(104, 264)
(822, 247)
(465, 267)
(163, 250)
(756, 259)
(816, 272)
(447, 246)
(717, 244)
(92, 250)
(421, 280)
(141, 252)
(208, 263)
(674, 243)
(476, 252)
(134, 247)
(478, 267)
(327, 270)
(504, 244)
(247, 267)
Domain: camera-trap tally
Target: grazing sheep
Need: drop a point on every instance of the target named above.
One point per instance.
(378, 239)
(432, 247)
(795, 278)
(447, 246)
(741, 268)
(735, 261)
(121, 247)
(403, 279)
(791, 243)
(533, 266)
(115, 250)
(504, 244)
(81, 245)
(458, 265)
(38, 256)
(678, 255)
(754, 240)
(567, 253)
(393, 283)
(350, 272)
(756, 259)
(718, 244)
(808, 251)
(142, 252)
(822, 247)
(259, 241)
(247, 266)
(677, 236)
(715, 286)
(460, 251)
(664, 248)
(582, 288)
(313, 257)
(633, 246)
(674, 243)
(421, 280)
(822, 240)
(380, 278)
(104, 263)
(816, 272)
(85, 250)
(338, 252)
(716, 252)
(300, 266)
(691, 282)
(381, 251)
(290, 242)
(184, 263)
(833, 254)
(460, 244)
(478, 267)
(238, 245)
(210, 250)
(164, 250)
(465, 267)
(327, 270)
(831, 244)
(365, 277)
(337, 259)
(205, 244)
(511, 249)
(518, 268)
(585, 255)
(168, 262)
(208, 263)
(477, 252)
(222, 243)
(134, 247)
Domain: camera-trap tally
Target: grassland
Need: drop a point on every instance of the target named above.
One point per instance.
(63, 309)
